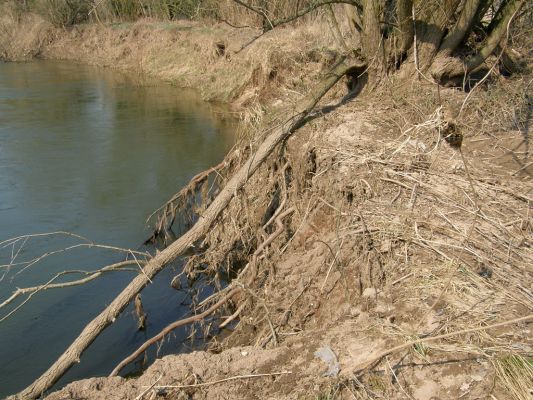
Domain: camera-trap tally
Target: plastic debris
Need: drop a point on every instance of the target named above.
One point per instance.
(328, 356)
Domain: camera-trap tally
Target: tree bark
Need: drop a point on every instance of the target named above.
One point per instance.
(430, 29)
(405, 24)
(372, 39)
(496, 35)
(105, 318)
(445, 68)
(462, 28)
(482, 10)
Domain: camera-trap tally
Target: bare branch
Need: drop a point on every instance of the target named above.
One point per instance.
(299, 13)
(170, 328)
(90, 276)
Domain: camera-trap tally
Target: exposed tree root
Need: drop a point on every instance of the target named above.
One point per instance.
(199, 230)
(270, 239)
(168, 211)
(170, 328)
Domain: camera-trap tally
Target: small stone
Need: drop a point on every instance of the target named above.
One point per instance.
(369, 292)
(354, 311)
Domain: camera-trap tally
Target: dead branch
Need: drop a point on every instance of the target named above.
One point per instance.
(27, 264)
(91, 275)
(232, 378)
(199, 230)
(271, 24)
(170, 328)
(374, 360)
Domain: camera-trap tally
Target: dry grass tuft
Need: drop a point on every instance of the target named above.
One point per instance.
(22, 36)
(516, 374)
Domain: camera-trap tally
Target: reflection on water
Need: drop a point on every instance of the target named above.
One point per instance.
(91, 152)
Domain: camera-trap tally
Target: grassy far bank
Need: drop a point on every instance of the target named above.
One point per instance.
(393, 235)
(208, 55)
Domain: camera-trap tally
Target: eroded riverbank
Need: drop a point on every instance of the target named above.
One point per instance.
(384, 244)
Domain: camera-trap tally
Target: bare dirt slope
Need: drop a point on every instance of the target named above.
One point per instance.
(387, 245)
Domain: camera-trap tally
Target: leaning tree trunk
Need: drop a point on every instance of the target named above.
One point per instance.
(207, 219)
(461, 29)
(430, 28)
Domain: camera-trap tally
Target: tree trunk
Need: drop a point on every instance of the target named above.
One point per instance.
(405, 24)
(372, 40)
(446, 68)
(462, 28)
(498, 32)
(430, 26)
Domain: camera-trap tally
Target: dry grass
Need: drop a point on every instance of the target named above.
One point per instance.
(444, 236)
(516, 374)
(22, 36)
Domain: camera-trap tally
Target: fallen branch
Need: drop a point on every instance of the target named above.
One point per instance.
(92, 275)
(200, 229)
(374, 360)
(232, 378)
(170, 328)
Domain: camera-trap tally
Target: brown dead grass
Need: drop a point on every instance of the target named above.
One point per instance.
(22, 36)
(396, 236)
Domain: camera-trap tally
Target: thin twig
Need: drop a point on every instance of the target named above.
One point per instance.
(377, 358)
(139, 397)
(232, 378)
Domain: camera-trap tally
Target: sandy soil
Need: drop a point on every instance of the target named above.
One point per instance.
(370, 267)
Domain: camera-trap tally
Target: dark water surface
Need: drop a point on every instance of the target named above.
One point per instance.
(92, 152)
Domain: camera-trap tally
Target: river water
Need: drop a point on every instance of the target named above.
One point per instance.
(91, 152)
